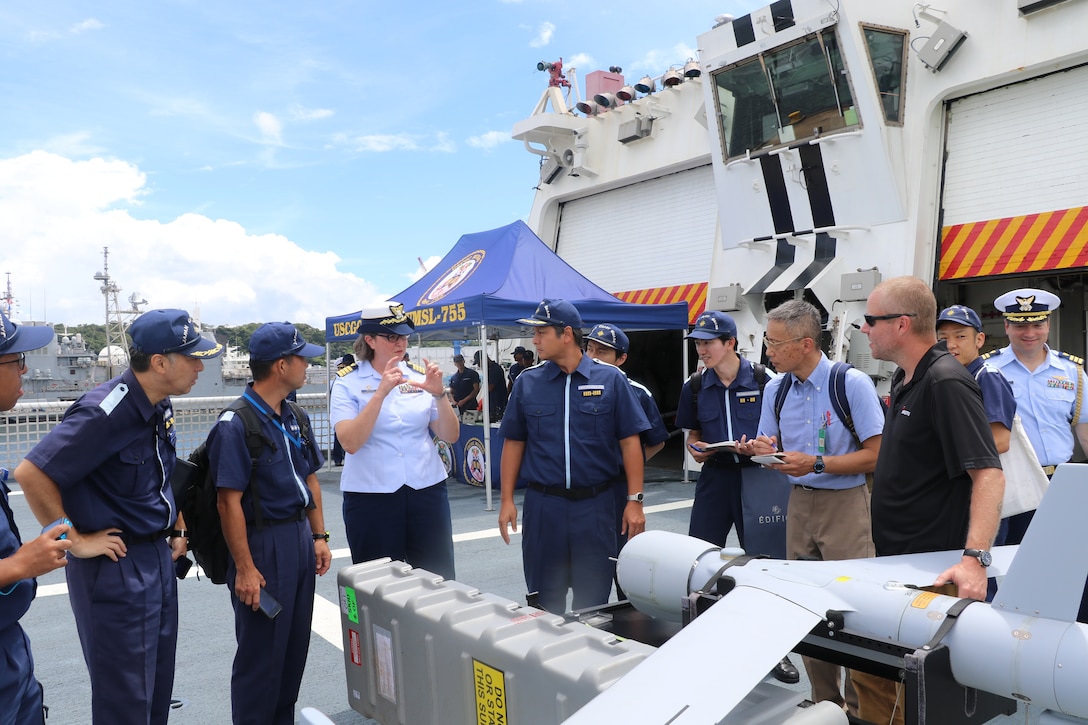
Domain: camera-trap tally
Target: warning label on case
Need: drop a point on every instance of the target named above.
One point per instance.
(490, 685)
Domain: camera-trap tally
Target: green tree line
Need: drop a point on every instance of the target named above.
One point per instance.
(237, 335)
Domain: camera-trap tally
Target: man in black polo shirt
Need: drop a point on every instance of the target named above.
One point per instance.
(938, 481)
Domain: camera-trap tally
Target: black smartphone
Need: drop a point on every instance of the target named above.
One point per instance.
(62, 520)
(182, 566)
(269, 606)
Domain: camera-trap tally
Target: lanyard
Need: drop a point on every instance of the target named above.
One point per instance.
(296, 441)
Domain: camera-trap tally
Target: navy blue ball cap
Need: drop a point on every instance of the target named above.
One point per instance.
(961, 315)
(274, 340)
(21, 338)
(610, 336)
(158, 332)
(518, 351)
(387, 318)
(556, 313)
(713, 324)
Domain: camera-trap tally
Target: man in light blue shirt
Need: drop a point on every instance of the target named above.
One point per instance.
(1048, 385)
(828, 514)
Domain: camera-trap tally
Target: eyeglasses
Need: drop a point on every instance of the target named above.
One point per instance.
(775, 343)
(871, 320)
(21, 361)
(391, 337)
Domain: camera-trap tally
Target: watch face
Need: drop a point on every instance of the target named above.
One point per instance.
(985, 558)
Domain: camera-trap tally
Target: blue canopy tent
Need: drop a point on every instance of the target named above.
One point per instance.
(491, 279)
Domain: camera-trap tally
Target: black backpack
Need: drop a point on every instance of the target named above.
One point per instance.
(198, 498)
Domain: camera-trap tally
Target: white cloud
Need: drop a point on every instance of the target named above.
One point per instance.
(443, 143)
(56, 215)
(583, 62)
(656, 62)
(88, 24)
(382, 142)
(543, 35)
(489, 140)
(418, 272)
(72, 144)
(299, 113)
(271, 128)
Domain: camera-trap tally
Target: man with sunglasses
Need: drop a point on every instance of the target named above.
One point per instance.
(20, 563)
(278, 550)
(825, 459)
(938, 482)
(106, 467)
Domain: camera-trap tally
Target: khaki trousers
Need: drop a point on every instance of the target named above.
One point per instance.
(830, 525)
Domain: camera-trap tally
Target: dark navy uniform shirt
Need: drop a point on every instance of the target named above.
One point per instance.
(997, 395)
(572, 424)
(725, 414)
(282, 487)
(112, 457)
(18, 595)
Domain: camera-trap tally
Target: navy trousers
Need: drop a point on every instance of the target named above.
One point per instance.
(20, 693)
(126, 613)
(406, 525)
(717, 506)
(271, 655)
(569, 545)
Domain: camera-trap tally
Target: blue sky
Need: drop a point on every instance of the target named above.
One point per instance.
(280, 160)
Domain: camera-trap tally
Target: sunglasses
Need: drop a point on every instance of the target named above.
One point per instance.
(871, 320)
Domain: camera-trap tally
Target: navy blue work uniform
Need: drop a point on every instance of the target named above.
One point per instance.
(498, 397)
(571, 426)
(112, 457)
(725, 414)
(271, 656)
(20, 692)
(655, 434)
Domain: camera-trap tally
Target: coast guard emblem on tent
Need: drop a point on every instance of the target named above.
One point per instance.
(453, 279)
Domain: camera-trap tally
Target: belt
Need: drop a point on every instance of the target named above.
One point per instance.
(131, 539)
(580, 493)
(298, 516)
(1049, 470)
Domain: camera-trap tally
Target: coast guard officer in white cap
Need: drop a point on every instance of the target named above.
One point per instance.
(1049, 385)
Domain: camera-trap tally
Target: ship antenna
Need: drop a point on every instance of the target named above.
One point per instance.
(115, 316)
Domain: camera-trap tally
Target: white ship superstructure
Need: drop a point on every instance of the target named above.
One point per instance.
(816, 147)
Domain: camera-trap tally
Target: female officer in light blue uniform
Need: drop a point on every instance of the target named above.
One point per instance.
(20, 693)
(385, 413)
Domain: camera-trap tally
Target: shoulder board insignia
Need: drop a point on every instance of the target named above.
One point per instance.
(1072, 358)
(418, 368)
(347, 370)
(114, 398)
(992, 353)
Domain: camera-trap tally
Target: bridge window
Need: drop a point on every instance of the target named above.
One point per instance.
(888, 57)
(793, 92)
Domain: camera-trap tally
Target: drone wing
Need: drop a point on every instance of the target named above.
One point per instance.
(709, 667)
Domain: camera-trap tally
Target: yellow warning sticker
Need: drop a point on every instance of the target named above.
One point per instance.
(490, 687)
(923, 599)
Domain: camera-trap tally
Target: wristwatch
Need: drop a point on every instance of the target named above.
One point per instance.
(636, 497)
(983, 557)
(322, 537)
(818, 466)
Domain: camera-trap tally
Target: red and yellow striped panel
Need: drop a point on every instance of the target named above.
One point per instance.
(693, 294)
(1030, 243)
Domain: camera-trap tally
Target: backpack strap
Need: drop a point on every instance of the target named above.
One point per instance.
(780, 397)
(839, 402)
(695, 384)
(255, 443)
